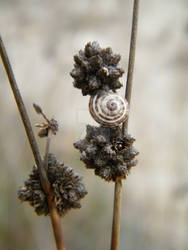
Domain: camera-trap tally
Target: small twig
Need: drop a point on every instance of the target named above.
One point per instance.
(42, 166)
(23, 112)
(118, 183)
(39, 111)
(116, 215)
(132, 51)
(55, 218)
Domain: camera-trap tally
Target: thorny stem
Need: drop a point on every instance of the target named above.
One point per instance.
(118, 183)
(34, 147)
(55, 218)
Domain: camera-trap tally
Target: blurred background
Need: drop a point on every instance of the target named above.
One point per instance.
(41, 38)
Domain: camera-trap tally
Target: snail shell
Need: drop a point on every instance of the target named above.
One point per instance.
(108, 109)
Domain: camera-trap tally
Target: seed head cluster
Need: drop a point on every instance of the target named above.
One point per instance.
(67, 188)
(96, 69)
(105, 150)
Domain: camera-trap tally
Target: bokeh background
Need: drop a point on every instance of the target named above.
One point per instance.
(41, 38)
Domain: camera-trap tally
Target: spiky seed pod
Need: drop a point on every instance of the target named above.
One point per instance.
(107, 151)
(96, 69)
(66, 185)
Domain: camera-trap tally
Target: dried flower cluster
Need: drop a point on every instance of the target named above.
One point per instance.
(95, 69)
(105, 150)
(66, 185)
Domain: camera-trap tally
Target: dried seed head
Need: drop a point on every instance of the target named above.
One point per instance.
(53, 125)
(107, 151)
(66, 185)
(96, 69)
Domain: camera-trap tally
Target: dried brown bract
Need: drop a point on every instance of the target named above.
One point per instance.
(47, 125)
(66, 186)
(96, 69)
(107, 151)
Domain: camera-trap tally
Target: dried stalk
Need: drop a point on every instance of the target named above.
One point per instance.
(116, 215)
(55, 219)
(22, 109)
(132, 51)
(118, 183)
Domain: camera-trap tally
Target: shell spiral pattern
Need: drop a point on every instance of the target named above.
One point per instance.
(109, 109)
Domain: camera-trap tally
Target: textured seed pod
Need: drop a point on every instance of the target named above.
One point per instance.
(108, 109)
(66, 185)
(96, 69)
(108, 152)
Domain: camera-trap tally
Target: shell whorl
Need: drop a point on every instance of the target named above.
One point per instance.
(108, 109)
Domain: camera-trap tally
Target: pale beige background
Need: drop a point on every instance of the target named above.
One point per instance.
(41, 38)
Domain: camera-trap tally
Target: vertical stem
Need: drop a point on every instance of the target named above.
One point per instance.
(54, 216)
(116, 215)
(56, 224)
(118, 183)
(132, 52)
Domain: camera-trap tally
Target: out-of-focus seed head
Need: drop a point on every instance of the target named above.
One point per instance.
(67, 188)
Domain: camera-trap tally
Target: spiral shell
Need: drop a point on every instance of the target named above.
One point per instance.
(108, 109)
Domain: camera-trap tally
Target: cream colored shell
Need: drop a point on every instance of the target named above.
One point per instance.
(109, 109)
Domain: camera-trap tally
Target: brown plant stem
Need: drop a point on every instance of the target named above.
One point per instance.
(55, 218)
(22, 110)
(132, 52)
(116, 215)
(34, 147)
(128, 90)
